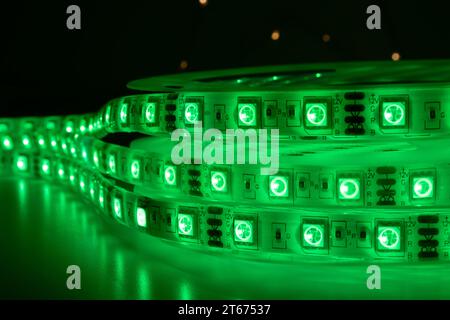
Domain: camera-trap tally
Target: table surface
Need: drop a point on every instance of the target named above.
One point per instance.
(44, 228)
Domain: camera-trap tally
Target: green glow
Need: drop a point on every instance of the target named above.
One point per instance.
(117, 207)
(28, 125)
(69, 127)
(82, 126)
(95, 158)
(45, 166)
(423, 187)
(313, 235)
(53, 143)
(389, 237)
(141, 217)
(101, 197)
(112, 163)
(22, 163)
(123, 113)
(185, 224)
(191, 112)
(247, 114)
(278, 186)
(108, 111)
(135, 169)
(219, 181)
(170, 175)
(84, 154)
(82, 185)
(73, 151)
(26, 141)
(7, 143)
(150, 112)
(61, 172)
(4, 127)
(92, 191)
(394, 114)
(41, 141)
(318, 75)
(243, 231)
(349, 189)
(316, 115)
(51, 125)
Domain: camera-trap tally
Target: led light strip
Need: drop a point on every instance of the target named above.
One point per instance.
(336, 221)
(330, 114)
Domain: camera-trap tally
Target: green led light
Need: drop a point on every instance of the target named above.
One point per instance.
(117, 207)
(26, 141)
(101, 197)
(247, 114)
(141, 217)
(150, 112)
(185, 224)
(318, 75)
(112, 163)
(107, 112)
(191, 112)
(41, 141)
(316, 115)
(53, 143)
(73, 151)
(349, 189)
(123, 113)
(394, 114)
(95, 158)
(219, 181)
(61, 172)
(22, 163)
(313, 235)
(84, 154)
(170, 175)
(389, 237)
(82, 185)
(82, 126)
(278, 186)
(7, 143)
(135, 169)
(45, 166)
(423, 187)
(243, 231)
(92, 191)
(69, 127)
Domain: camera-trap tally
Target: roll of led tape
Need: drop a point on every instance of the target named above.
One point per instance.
(363, 171)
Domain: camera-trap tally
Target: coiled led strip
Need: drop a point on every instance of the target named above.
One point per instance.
(308, 210)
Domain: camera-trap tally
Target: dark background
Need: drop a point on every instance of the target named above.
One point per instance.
(48, 69)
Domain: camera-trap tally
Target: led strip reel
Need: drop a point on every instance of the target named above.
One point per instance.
(307, 211)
